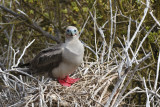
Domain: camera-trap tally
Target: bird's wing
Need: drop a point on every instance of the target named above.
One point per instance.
(48, 58)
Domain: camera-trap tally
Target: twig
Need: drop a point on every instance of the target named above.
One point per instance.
(104, 44)
(147, 102)
(129, 79)
(157, 74)
(140, 45)
(31, 24)
(90, 49)
(25, 48)
(135, 34)
(95, 34)
(14, 77)
(19, 71)
(151, 13)
(84, 25)
(130, 92)
(14, 56)
(116, 87)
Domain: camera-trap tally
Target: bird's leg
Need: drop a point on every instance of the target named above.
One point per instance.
(67, 81)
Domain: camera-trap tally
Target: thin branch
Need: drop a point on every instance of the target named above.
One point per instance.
(147, 102)
(130, 92)
(30, 23)
(19, 71)
(157, 74)
(137, 30)
(151, 13)
(129, 79)
(14, 55)
(25, 48)
(14, 77)
(95, 34)
(140, 45)
(110, 43)
(116, 87)
(84, 25)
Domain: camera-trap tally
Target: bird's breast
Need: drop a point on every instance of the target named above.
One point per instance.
(74, 54)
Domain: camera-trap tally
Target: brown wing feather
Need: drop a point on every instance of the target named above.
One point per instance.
(47, 59)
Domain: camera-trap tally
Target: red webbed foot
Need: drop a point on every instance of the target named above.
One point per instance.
(70, 80)
(64, 83)
(67, 81)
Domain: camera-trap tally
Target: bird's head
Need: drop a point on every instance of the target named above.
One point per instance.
(72, 32)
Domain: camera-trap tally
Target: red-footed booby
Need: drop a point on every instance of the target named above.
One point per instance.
(62, 59)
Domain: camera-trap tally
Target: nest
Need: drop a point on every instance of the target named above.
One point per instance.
(93, 88)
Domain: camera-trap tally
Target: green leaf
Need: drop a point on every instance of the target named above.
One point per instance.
(158, 31)
(73, 4)
(19, 36)
(147, 28)
(46, 14)
(85, 9)
(74, 22)
(76, 9)
(31, 12)
(30, 1)
(64, 10)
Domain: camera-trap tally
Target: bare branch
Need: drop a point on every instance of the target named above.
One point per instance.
(130, 92)
(147, 102)
(157, 74)
(25, 48)
(129, 79)
(30, 23)
(135, 34)
(116, 87)
(151, 13)
(140, 45)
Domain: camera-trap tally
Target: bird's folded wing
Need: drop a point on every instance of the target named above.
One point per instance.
(52, 55)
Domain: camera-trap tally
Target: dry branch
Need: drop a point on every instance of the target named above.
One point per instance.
(30, 23)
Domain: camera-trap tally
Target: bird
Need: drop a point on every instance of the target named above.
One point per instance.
(60, 60)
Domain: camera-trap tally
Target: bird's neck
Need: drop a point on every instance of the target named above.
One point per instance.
(74, 46)
(67, 40)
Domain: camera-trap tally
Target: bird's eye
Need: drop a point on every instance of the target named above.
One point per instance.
(67, 30)
(74, 30)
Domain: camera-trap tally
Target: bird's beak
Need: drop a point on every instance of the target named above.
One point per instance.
(72, 34)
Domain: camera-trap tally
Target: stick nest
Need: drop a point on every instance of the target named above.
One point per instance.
(93, 88)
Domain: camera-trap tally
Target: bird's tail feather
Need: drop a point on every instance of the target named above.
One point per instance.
(24, 70)
(24, 65)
